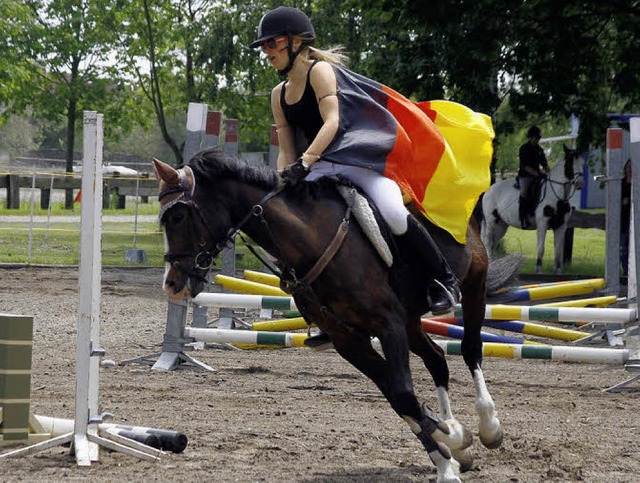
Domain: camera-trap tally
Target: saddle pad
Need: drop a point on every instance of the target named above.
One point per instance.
(367, 220)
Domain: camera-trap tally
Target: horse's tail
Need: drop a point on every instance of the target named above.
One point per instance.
(502, 272)
(477, 214)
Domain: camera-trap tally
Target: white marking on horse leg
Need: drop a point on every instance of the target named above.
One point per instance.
(444, 403)
(447, 468)
(445, 464)
(489, 424)
(542, 234)
(459, 436)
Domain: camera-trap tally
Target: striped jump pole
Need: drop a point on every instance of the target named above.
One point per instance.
(551, 353)
(455, 332)
(248, 287)
(240, 301)
(490, 349)
(553, 284)
(227, 336)
(550, 291)
(282, 325)
(428, 325)
(558, 314)
(261, 277)
(604, 301)
(528, 328)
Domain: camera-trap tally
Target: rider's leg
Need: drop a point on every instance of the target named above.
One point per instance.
(387, 196)
(526, 183)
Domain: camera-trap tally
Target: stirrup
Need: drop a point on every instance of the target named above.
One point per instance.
(451, 295)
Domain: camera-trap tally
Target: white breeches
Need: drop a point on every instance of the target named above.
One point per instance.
(384, 192)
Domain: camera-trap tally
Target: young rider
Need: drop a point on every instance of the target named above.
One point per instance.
(308, 99)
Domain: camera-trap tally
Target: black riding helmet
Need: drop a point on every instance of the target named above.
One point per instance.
(534, 132)
(286, 21)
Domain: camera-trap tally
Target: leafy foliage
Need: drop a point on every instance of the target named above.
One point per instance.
(142, 61)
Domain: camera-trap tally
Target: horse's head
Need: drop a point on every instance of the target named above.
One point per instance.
(573, 163)
(188, 250)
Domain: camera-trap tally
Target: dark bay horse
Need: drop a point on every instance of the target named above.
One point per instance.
(353, 296)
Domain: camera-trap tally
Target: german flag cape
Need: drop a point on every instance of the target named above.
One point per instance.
(438, 152)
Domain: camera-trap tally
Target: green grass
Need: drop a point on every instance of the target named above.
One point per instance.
(57, 209)
(588, 251)
(61, 245)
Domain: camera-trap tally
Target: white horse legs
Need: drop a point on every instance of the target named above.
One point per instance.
(541, 235)
(489, 425)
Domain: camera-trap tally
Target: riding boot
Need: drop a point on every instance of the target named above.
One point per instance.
(318, 340)
(445, 291)
(523, 211)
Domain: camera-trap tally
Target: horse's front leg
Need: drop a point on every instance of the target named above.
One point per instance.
(393, 378)
(459, 439)
(542, 233)
(473, 309)
(558, 244)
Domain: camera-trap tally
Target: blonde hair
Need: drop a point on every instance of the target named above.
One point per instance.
(333, 55)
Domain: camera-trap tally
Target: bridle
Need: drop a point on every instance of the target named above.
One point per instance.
(571, 178)
(203, 258)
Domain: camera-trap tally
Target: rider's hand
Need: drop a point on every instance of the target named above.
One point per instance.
(295, 172)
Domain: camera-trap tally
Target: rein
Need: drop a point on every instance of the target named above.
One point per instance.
(567, 193)
(203, 260)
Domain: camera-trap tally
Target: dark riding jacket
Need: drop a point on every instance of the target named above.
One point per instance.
(532, 156)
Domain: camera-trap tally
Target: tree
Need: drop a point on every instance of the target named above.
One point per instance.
(60, 48)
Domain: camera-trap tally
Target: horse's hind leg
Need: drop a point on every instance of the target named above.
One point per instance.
(473, 308)
(393, 378)
(459, 439)
(541, 223)
(558, 244)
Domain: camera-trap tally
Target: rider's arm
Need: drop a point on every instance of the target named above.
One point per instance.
(323, 81)
(286, 136)
(543, 161)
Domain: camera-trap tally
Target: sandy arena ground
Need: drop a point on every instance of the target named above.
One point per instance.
(300, 415)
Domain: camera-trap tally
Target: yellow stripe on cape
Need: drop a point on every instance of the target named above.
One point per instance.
(463, 173)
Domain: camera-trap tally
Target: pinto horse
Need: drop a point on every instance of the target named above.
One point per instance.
(348, 291)
(500, 207)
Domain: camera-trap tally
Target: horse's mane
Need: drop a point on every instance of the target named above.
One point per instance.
(213, 164)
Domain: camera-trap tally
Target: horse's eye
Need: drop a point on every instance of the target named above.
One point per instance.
(177, 217)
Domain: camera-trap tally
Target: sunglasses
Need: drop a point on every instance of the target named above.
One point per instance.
(272, 43)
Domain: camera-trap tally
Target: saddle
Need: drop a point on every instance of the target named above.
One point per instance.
(363, 210)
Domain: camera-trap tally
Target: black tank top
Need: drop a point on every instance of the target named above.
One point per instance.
(304, 114)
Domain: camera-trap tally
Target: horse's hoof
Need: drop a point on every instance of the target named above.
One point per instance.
(494, 442)
(464, 457)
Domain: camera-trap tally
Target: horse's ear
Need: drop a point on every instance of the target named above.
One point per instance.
(166, 173)
(566, 149)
